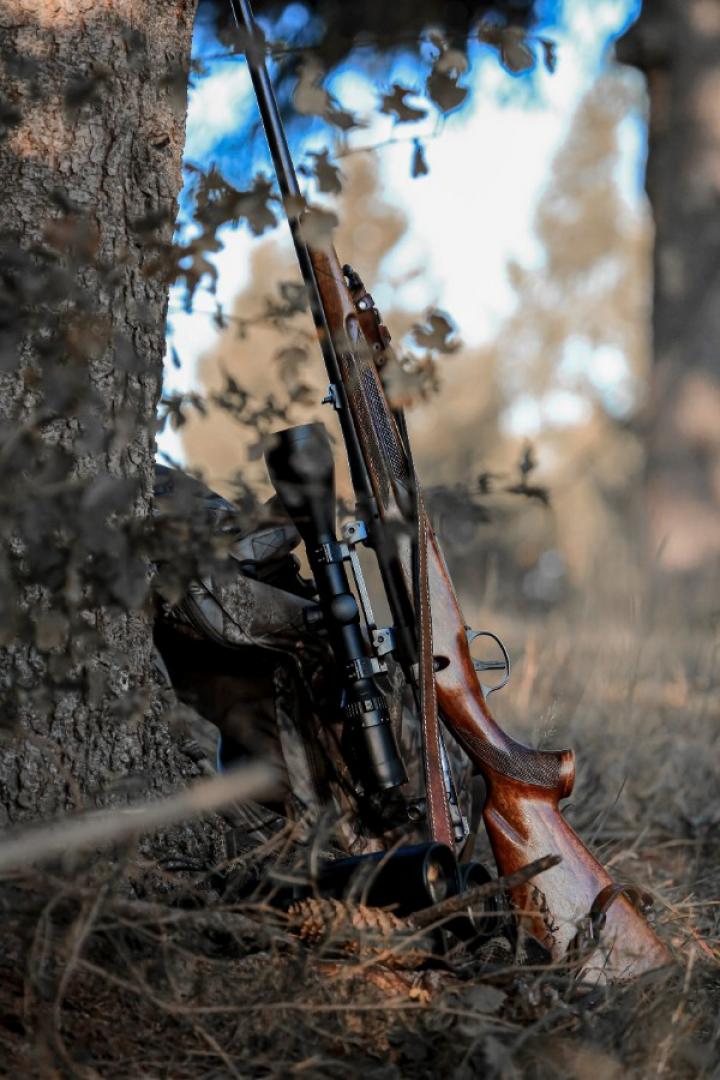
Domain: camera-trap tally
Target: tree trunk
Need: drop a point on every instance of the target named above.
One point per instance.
(92, 113)
(677, 44)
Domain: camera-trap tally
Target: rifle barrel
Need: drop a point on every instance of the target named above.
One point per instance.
(290, 190)
(267, 102)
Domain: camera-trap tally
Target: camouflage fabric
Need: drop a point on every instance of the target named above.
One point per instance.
(237, 650)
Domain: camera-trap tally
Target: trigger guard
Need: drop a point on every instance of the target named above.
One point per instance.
(480, 665)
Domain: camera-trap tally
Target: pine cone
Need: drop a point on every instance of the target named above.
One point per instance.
(318, 917)
(358, 930)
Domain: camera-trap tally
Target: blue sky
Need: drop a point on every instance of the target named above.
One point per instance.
(523, 119)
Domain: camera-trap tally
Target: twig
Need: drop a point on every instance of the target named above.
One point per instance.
(394, 141)
(667, 1043)
(144, 913)
(100, 828)
(456, 904)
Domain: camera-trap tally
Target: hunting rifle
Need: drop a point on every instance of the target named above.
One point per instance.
(429, 637)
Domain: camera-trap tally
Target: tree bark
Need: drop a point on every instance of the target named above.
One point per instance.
(92, 114)
(676, 43)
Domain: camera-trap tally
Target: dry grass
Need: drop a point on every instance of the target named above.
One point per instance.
(96, 983)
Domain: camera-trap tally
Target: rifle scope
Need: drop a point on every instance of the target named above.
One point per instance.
(409, 878)
(302, 470)
(473, 925)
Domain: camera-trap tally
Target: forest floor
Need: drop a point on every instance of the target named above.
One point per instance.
(93, 984)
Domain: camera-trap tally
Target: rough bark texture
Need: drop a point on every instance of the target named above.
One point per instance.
(677, 45)
(92, 109)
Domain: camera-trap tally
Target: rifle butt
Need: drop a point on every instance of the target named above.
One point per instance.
(524, 823)
(569, 903)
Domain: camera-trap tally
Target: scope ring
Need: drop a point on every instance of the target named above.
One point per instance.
(490, 665)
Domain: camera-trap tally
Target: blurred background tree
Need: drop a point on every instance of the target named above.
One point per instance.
(676, 44)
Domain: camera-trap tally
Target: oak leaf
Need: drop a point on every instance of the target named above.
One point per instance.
(326, 173)
(394, 104)
(316, 226)
(310, 97)
(436, 333)
(443, 89)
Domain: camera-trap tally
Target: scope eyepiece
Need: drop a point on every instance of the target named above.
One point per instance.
(473, 924)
